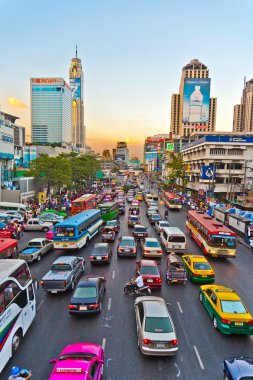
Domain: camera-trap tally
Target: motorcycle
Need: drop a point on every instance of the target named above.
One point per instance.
(130, 288)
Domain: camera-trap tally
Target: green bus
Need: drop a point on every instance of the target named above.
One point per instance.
(109, 211)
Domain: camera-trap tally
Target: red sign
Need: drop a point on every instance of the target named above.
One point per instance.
(6, 234)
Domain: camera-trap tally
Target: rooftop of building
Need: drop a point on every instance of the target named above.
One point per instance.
(10, 117)
(195, 64)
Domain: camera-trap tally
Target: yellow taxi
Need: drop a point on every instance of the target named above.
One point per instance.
(227, 310)
(198, 269)
(139, 196)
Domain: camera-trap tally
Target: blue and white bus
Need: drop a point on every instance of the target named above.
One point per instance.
(75, 232)
(17, 306)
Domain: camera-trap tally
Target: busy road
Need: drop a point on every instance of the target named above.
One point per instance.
(201, 348)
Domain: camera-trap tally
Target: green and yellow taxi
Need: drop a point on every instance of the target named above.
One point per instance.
(198, 269)
(227, 310)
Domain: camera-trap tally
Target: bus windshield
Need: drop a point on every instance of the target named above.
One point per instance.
(222, 241)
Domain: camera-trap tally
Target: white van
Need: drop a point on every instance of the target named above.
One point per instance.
(173, 240)
(10, 206)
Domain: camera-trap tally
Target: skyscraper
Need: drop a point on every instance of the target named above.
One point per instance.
(193, 109)
(243, 112)
(76, 85)
(50, 110)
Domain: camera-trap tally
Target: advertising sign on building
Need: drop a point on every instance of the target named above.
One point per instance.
(207, 172)
(6, 142)
(75, 86)
(196, 100)
(119, 157)
(169, 147)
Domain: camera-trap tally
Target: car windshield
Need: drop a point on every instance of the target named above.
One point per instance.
(85, 292)
(99, 251)
(222, 241)
(86, 356)
(149, 270)
(158, 325)
(152, 244)
(127, 242)
(201, 266)
(61, 267)
(64, 231)
(233, 307)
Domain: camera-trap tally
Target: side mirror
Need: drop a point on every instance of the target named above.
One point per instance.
(100, 361)
(168, 304)
(53, 361)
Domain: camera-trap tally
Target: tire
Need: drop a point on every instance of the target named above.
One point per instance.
(201, 297)
(16, 340)
(45, 229)
(127, 290)
(39, 258)
(215, 325)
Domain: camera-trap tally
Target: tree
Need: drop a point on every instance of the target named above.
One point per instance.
(177, 171)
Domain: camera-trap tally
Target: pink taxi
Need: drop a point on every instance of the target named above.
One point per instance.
(79, 361)
(50, 234)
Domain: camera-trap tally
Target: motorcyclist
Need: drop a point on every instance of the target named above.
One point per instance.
(138, 281)
(166, 213)
(19, 374)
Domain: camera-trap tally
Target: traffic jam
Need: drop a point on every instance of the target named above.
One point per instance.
(129, 222)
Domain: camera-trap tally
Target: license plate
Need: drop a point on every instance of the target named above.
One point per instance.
(139, 234)
(204, 276)
(176, 246)
(82, 307)
(53, 291)
(99, 258)
(127, 250)
(65, 245)
(160, 345)
(239, 323)
(149, 280)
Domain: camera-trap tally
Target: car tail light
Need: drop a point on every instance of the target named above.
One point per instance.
(93, 307)
(159, 280)
(173, 342)
(106, 257)
(211, 275)
(146, 250)
(42, 283)
(160, 251)
(65, 283)
(147, 341)
(250, 322)
(72, 307)
(91, 257)
(133, 250)
(225, 321)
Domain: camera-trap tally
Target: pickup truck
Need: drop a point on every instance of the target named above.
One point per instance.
(64, 274)
(35, 249)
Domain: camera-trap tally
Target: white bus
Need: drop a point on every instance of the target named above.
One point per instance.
(17, 306)
(7, 206)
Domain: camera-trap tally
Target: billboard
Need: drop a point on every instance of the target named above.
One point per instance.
(119, 157)
(207, 172)
(154, 147)
(6, 142)
(75, 86)
(196, 100)
(169, 146)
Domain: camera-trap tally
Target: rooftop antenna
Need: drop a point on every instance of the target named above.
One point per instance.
(76, 51)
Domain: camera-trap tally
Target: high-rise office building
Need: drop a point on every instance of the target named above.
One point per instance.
(192, 109)
(243, 112)
(50, 110)
(76, 85)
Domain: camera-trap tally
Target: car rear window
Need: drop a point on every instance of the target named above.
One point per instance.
(201, 266)
(99, 251)
(233, 307)
(85, 292)
(158, 325)
(164, 224)
(177, 239)
(127, 242)
(149, 270)
(134, 218)
(140, 229)
(61, 267)
(152, 244)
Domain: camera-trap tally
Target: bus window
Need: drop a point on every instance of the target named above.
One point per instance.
(22, 275)
(2, 308)
(30, 292)
(11, 290)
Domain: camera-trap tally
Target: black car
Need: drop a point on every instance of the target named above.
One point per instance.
(101, 254)
(140, 232)
(238, 368)
(88, 296)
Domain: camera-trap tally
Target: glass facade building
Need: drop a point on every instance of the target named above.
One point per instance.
(51, 104)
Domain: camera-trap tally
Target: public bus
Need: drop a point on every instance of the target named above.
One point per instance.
(17, 306)
(8, 249)
(76, 231)
(85, 202)
(213, 237)
(172, 201)
(109, 210)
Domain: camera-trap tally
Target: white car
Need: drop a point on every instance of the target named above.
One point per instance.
(159, 226)
(14, 215)
(35, 224)
(151, 248)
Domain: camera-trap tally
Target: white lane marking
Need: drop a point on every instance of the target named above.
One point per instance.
(178, 369)
(113, 274)
(103, 343)
(199, 358)
(180, 308)
(40, 304)
(109, 304)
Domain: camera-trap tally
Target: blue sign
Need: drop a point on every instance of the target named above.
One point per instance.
(207, 172)
(196, 100)
(75, 85)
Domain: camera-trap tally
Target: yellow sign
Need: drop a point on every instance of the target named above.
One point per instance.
(42, 197)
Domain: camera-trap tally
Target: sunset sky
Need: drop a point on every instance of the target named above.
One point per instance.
(132, 53)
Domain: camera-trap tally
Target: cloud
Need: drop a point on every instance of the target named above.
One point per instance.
(13, 102)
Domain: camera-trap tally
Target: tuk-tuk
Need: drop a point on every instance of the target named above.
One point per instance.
(176, 271)
(108, 234)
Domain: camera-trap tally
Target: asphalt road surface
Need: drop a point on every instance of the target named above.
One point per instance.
(201, 348)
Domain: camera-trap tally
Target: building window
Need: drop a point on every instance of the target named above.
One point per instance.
(217, 151)
(234, 165)
(235, 152)
(219, 180)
